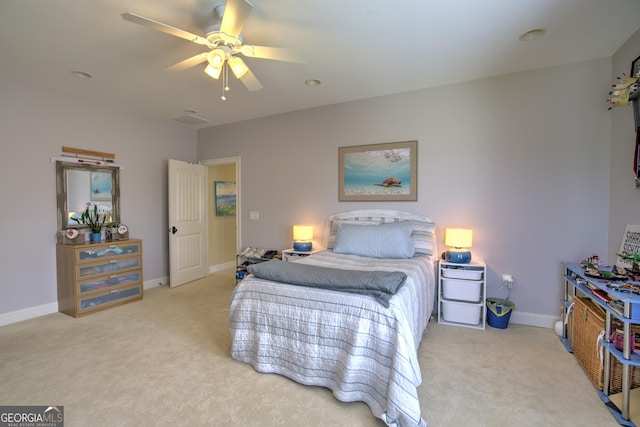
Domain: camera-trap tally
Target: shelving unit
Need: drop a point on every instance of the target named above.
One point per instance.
(462, 290)
(624, 406)
(243, 261)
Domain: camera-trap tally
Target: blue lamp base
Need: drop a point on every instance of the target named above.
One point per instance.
(302, 246)
(459, 257)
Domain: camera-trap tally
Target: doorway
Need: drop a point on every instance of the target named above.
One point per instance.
(224, 230)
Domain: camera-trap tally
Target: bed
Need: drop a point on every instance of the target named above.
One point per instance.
(347, 342)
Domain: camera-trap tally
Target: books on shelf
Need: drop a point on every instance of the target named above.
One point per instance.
(617, 306)
(602, 295)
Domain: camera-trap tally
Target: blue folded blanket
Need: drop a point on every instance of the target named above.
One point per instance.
(380, 284)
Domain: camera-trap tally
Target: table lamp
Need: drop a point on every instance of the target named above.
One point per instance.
(302, 236)
(460, 240)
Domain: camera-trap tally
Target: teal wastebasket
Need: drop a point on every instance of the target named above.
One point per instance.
(499, 312)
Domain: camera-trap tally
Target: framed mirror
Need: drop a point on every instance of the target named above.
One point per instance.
(80, 186)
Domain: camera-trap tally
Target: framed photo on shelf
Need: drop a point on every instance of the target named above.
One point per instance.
(378, 172)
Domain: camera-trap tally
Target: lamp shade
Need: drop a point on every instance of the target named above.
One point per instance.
(302, 233)
(302, 236)
(458, 237)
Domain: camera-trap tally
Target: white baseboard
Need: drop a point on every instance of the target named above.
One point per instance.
(532, 319)
(52, 307)
(154, 283)
(220, 267)
(28, 313)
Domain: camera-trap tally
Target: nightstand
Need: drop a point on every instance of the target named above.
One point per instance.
(291, 255)
(462, 289)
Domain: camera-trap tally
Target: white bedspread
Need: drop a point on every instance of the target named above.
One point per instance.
(348, 343)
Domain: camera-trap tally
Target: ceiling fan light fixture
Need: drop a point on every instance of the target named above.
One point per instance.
(216, 58)
(238, 66)
(213, 72)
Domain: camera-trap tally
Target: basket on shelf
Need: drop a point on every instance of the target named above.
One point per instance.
(588, 323)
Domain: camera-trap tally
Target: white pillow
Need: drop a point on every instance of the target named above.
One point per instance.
(377, 241)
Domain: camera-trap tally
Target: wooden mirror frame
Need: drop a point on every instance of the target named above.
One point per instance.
(62, 196)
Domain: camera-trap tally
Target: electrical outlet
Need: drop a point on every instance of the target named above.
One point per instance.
(508, 280)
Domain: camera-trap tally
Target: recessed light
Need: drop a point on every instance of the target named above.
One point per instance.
(81, 74)
(532, 34)
(312, 82)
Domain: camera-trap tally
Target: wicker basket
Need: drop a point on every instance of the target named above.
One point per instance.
(588, 323)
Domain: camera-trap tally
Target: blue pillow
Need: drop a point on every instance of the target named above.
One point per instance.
(376, 241)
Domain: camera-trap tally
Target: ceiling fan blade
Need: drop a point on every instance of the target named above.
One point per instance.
(159, 26)
(251, 81)
(277, 53)
(235, 15)
(189, 62)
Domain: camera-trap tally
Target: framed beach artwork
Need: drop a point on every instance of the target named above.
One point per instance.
(225, 197)
(378, 172)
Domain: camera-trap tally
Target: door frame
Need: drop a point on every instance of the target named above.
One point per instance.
(226, 161)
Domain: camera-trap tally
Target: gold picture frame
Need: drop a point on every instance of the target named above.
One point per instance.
(378, 172)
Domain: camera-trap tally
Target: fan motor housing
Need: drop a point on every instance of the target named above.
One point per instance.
(216, 37)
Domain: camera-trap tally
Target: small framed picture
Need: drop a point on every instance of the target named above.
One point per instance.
(225, 197)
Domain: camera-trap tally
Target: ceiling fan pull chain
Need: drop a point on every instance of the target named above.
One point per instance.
(224, 83)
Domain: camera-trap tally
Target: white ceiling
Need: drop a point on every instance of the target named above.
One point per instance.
(359, 48)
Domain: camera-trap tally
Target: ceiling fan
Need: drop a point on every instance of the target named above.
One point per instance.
(225, 42)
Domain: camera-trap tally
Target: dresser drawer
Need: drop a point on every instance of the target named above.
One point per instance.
(110, 266)
(108, 298)
(109, 282)
(90, 253)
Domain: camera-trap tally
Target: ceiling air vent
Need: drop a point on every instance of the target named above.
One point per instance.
(191, 119)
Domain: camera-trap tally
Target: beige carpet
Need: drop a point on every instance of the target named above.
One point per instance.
(164, 361)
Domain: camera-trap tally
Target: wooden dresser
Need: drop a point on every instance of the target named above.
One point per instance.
(98, 276)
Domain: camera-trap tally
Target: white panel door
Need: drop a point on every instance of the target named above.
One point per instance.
(187, 222)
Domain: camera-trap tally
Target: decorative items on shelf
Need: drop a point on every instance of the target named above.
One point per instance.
(625, 88)
(592, 262)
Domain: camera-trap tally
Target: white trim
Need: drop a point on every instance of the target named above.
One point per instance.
(532, 319)
(225, 161)
(28, 313)
(221, 267)
(155, 283)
